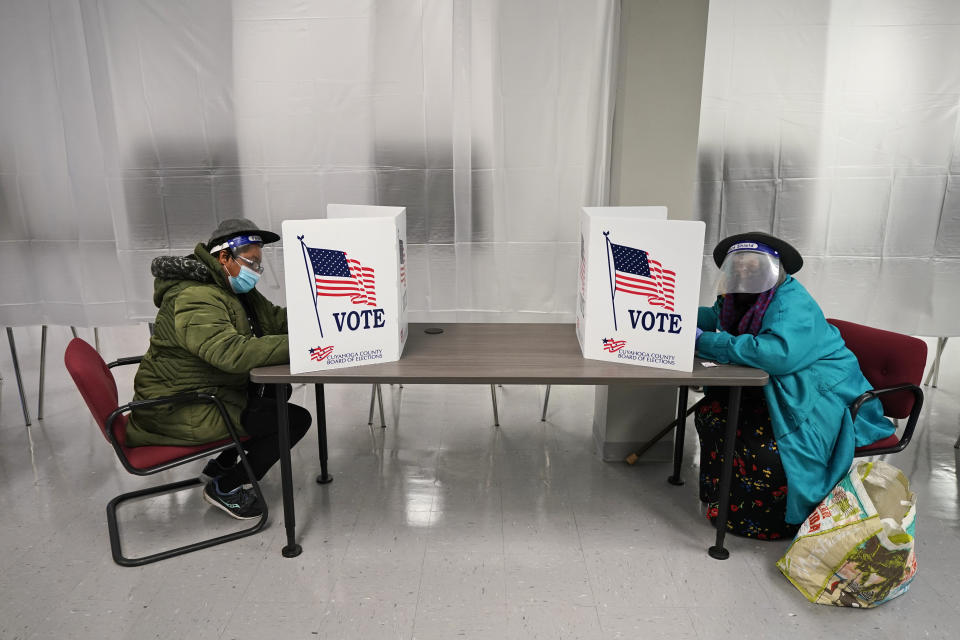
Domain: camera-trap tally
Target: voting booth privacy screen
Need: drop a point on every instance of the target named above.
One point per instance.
(346, 286)
(639, 282)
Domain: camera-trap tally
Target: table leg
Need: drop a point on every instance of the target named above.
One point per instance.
(16, 370)
(43, 366)
(373, 400)
(934, 372)
(546, 401)
(324, 477)
(726, 474)
(292, 549)
(675, 479)
(383, 423)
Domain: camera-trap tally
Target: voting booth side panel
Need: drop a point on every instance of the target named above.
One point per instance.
(602, 287)
(649, 271)
(342, 289)
(582, 283)
(402, 276)
(358, 211)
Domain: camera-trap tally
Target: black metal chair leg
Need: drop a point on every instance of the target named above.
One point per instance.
(726, 475)
(114, 528)
(678, 436)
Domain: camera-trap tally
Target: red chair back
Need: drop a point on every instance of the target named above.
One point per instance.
(887, 359)
(99, 390)
(96, 384)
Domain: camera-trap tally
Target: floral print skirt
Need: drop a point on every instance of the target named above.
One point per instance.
(758, 492)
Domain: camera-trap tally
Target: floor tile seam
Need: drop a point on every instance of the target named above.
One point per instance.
(943, 596)
(586, 569)
(503, 552)
(13, 559)
(343, 555)
(688, 612)
(253, 574)
(675, 579)
(40, 631)
(416, 607)
(759, 578)
(69, 592)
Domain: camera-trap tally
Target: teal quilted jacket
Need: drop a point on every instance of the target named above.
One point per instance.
(813, 380)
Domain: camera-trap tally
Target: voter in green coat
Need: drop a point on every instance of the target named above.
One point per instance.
(795, 436)
(211, 329)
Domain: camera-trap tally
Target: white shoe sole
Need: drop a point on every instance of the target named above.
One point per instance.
(224, 508)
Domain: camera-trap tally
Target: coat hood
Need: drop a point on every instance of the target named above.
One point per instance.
(171, 271)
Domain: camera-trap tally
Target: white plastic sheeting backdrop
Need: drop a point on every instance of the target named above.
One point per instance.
(58, 260)
(833, 124)
(130, 128)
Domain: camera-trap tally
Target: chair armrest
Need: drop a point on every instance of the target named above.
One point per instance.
(122, 361)
(914, 412)
(180, 398)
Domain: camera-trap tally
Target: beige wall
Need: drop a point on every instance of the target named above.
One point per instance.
(655, 126)
(657, 114)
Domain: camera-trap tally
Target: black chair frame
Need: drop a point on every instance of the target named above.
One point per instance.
(183, 398)
(911, 419)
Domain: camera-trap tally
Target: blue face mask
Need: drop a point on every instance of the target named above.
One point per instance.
(244, 281)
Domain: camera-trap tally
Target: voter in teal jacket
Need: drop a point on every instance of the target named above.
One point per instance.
(767, 319)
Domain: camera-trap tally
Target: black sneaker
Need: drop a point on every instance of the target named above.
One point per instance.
(240, 503)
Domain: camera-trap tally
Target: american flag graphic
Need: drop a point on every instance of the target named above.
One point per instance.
(640, 275)
(612, 346)
(337, 275)
(403, 264)
(319, 353)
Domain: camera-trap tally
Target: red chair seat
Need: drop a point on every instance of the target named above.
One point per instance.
(153, 455)
(148, 456)
(889, 441)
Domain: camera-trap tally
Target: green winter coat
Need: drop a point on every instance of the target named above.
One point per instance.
(202, 341)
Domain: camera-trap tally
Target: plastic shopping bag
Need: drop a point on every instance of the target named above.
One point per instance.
(857, 548)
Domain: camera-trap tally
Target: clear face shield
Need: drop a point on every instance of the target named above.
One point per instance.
(749, 269)
(246, 251)
(246, 256)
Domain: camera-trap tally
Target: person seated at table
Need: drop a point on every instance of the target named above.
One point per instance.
(211, 329)
(794, 438)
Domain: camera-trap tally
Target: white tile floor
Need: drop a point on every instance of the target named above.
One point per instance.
(440, 526)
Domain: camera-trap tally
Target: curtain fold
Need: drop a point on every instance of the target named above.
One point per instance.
(131, 128)
(57, 246)
(835, 126)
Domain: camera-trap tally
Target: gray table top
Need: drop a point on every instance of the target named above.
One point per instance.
(509, 354)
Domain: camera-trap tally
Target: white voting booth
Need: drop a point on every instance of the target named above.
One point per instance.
(639, 286)
(346, 287)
